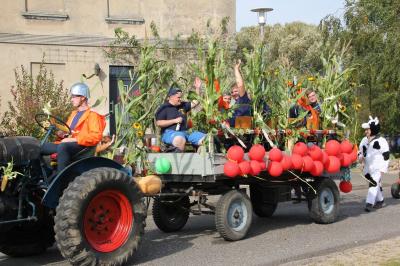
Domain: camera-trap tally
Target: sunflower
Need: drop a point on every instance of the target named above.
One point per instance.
(342, 108)
(139, 134)
(311, 79)
(136, 126)
(357, 106)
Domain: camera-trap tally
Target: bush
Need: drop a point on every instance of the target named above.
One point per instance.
(30, 96)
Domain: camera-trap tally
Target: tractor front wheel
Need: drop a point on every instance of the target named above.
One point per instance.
(100, 218)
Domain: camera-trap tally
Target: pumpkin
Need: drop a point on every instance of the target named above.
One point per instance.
(231, 169)
(345, 186)
(297, 161)
(150, 184)
(346, 146)
(332, 147)
(235, 153)
(275, 155)
(275, 168)
(257, 152)
(300, 148)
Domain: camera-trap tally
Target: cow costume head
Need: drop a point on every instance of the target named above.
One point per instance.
(373, 125)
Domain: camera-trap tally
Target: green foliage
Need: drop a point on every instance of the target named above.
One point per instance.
(31, 96)
(296, 43)
(373, 28)
(135, 111)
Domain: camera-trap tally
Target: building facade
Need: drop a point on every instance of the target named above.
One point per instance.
(70, 35)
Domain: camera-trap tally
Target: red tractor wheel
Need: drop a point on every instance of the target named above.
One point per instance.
(100, 218)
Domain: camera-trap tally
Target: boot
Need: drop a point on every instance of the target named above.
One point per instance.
(379, 204)
(368, 207)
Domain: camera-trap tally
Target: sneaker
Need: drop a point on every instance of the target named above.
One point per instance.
(379, 204)
(368, 207)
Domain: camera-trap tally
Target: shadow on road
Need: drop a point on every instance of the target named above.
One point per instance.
(51, 256)
(157, 244)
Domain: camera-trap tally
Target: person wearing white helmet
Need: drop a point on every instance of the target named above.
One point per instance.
(86, 126)
(374, 152)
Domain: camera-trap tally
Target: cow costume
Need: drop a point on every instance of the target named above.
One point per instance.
(374, 151)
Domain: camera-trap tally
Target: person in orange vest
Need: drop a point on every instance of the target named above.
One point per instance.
(86, 126)
(313, 108)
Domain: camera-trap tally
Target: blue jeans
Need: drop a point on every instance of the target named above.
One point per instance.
(193, 138)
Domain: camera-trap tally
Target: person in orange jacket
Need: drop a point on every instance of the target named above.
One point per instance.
(86, 126)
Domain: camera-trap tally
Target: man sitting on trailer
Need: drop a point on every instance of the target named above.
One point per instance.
(171, 118)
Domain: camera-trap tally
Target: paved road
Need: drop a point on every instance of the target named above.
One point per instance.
(288, 236)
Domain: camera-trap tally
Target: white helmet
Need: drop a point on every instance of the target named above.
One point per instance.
(80, 89)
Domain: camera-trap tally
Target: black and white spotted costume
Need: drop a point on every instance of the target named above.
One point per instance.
(376, 160)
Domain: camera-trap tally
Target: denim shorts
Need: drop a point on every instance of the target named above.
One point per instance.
(193, 138)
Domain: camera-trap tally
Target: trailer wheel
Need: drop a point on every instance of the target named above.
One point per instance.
(395, 190)
(324, 207)
(171, 214)
(100, 219)
(260, 207)
(233, 215)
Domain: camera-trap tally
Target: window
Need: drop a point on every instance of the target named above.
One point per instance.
(124, 12)
(45, 10)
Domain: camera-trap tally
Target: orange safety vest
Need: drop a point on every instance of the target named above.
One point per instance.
(89, 129)
(313, 120)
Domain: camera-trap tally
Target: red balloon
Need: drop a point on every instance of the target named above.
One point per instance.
(315, 153)
(346, 146)
(318, 168)
(325, 159)
(300, 148)
(231, 169)
(245, 168)
(255, 167)
(308, 164)
(332, 147)
(345, 159)
(333, 164)
(275, 168)
(297, 161)
(263, 166)
(235, 154)
(257, 152)
(275, 155)
(286, 162)
(345, 186)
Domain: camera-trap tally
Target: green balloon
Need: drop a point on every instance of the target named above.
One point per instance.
(162, 165)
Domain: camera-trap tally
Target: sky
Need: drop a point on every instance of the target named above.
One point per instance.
(309, 11)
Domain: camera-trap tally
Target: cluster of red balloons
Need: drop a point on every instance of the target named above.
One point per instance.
(236, 165)
(304, 158)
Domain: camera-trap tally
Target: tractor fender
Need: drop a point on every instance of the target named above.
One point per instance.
(66, 176)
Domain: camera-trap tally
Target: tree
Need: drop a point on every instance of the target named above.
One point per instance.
(297, 43)
(30, 96)
(373, 28)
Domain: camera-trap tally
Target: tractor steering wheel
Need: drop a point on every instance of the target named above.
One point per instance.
(51, 122)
